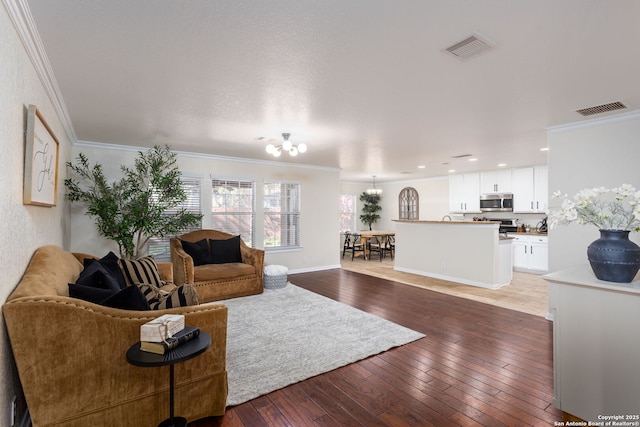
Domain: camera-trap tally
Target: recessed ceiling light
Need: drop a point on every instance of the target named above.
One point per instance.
(421, 166)
(544, 149)
(501, 165)
(473, 159)
(451, 170)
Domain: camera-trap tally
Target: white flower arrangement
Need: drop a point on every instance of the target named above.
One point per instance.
(615, 209)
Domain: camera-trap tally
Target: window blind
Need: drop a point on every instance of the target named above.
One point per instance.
(347, 212)
(159, 246)
(281, 215)
(233, 208)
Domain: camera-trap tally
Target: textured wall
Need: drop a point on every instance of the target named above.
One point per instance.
(22, 228)
(319, 219)
(597, 153)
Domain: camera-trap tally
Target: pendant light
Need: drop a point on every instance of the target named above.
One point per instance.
(374, 190)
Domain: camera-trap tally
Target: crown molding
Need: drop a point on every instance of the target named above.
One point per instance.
(20, 15)
(132, 148)
(629, 115)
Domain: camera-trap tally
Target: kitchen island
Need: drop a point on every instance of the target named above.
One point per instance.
(472, 253)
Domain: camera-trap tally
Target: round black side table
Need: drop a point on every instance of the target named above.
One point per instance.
(186, 351)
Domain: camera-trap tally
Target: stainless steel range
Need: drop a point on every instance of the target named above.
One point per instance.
(507, 225)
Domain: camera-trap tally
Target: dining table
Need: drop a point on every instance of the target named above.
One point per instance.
(367, 234)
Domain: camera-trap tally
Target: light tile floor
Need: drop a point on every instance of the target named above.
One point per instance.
(526, 293)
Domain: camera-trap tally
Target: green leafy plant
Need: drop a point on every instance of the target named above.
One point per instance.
(370, 209)
(136, 207)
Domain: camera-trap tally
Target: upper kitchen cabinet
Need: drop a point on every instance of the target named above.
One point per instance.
(498, 181)
(464, 193)
(530, 189)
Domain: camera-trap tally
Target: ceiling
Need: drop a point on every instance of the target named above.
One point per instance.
(366, 84)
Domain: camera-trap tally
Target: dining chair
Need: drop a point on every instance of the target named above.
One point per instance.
(352, 244)
(375, 245)
(390, 245)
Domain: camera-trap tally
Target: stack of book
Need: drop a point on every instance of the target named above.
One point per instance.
(165, 333)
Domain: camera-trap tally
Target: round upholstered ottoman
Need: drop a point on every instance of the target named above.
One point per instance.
(275, 276)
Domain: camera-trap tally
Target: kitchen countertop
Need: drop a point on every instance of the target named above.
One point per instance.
(448, 222)
(531, 233)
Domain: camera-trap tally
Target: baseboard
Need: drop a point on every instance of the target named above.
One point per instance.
(309, 270)
(451, 278)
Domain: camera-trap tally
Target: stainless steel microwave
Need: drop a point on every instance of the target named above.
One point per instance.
(496, 202)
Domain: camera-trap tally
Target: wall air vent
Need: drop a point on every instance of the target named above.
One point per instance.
(604, 108)
(469, 47)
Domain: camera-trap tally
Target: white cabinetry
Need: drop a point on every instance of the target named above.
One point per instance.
(530, 192)
(595, 345)
(530, 253)
(498, 181)
(464, 193)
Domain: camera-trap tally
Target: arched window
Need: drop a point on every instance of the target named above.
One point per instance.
(408, 204)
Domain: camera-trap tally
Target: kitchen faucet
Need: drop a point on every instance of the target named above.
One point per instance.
(445, 217)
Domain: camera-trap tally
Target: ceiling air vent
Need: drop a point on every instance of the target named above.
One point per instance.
(468, 47)
(460, 156)
(612, 106)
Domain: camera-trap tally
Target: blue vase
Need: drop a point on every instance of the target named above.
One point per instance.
(613, 257)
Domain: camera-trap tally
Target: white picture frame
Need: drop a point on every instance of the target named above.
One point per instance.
(40, 161)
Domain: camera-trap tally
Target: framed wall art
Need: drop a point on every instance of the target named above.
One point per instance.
(40, 161)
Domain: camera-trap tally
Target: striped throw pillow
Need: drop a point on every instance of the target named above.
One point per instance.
(144, 274)
(158, 299)
(140, 271)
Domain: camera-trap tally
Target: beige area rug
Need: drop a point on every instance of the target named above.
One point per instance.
(287, 335)
(526, 293)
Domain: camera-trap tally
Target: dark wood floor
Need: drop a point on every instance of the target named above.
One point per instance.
(478, 365)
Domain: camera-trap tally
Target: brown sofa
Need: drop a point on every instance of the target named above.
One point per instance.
(70, 354)
(214, 282)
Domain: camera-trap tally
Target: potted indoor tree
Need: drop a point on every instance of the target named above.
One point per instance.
(370, 209)
(143, 203)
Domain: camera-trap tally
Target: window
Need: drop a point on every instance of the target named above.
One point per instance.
(233, 208)
(408, 204)
(347, 212)
(159, 246)
(281, 215)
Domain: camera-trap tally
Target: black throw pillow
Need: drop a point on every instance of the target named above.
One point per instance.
(95, 275)
(90, 293)
(199, 251)
(129, 298)
(110, 263)
(224, 251)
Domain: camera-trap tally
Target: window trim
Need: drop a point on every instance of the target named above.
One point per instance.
(251, 214)
(296, 213)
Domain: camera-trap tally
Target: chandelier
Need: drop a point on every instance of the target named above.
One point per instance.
(286, 145)
(374, 190)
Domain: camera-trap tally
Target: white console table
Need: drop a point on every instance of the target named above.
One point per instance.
(596, 344)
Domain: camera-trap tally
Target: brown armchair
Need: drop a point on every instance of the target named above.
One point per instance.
(215, 282)
(70, 354)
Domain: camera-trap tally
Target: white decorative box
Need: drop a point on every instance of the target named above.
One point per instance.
(161, 328)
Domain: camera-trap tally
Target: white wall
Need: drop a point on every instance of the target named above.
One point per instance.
(433, 194)
(319, 216)
(22, 228)
(604, 152)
